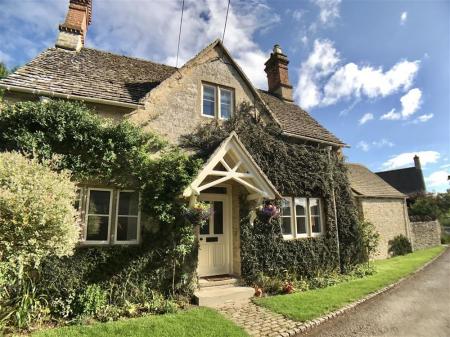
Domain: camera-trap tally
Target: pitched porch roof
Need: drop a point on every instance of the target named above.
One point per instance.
(232, 161)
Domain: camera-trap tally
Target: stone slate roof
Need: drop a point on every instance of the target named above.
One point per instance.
(296, 121)
(408, 180)
(103, 75)
(90, 73)
(365, 183)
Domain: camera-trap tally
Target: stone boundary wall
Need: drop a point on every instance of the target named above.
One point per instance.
(425, 234)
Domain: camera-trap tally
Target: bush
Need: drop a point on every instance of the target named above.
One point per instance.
(399, 245)
(37, 220)
(370, 238)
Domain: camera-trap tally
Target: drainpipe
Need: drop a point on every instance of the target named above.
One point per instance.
(333, 196)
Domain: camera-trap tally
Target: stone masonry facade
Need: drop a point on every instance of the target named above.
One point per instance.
(389, 216)
(425, 234)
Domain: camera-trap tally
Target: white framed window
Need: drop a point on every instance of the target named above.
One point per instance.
(98, 216)
(208, 101)
(286, 218)
(315, 214)
(217, 101)
(303, 219)
(226, 103)
(127, 217)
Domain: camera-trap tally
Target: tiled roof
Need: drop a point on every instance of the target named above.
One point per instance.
(296, 121)
(102, 75)
(90, 73)
(366, 183)
(408, 180)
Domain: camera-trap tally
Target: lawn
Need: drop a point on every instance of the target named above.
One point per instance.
(312, 304)
(199, 322)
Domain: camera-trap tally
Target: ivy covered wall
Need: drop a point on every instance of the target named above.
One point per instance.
(296, 169)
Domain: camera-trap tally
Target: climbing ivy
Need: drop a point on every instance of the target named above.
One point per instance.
(296, 169)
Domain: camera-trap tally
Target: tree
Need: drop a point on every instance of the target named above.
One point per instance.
(3, 70)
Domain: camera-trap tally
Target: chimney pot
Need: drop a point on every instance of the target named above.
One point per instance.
(73, 31)
(278, 74)
(417, 162)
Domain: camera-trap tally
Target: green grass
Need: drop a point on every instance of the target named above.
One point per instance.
(312, 304)
(199, 322)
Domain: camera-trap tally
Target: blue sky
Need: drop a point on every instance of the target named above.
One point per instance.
(376, 73)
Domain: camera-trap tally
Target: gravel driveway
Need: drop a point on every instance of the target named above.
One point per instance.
(419, 306)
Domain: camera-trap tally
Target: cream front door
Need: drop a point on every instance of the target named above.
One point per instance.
(214, 250)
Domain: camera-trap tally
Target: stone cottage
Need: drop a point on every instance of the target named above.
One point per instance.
(381, 204)
(173, 102)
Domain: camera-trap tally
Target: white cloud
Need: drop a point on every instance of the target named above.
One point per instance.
(364, 119)
(406, 159)
(322, 81)
(377, 144)
(411, 102)
(298, 14)
(423, 118)
(329, 10)
(403, 18)
(437, 179)
(391, 116)
(363, 146)
(320, 63)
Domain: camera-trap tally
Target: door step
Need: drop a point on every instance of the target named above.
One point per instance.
(224, 294)
(215, 281)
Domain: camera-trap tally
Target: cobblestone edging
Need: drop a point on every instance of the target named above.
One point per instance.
(261, 322)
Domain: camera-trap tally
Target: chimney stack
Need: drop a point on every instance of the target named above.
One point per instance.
(277, 74)
(73, 31)
(417, 162)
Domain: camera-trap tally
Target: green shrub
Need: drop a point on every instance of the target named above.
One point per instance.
(37, 220)
(370, 238)
(399, 245)
(92, 300)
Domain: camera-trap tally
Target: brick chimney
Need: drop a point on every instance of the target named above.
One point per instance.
(73, 31)
(277, 74)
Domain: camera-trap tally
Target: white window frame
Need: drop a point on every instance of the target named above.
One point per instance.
(215, 100)
(307, 222)
(315, 234)
(97, 242)
(138, 229)
(220, 102)
(287, 236)
(293, 216)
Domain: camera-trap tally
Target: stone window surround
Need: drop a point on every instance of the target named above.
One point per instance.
(217, 103)
(113, 216)
(293, 216)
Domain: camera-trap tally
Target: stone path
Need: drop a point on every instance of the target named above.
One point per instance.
(258, 321)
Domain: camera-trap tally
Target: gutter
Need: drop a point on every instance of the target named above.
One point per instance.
(70, 97)
(314, 140)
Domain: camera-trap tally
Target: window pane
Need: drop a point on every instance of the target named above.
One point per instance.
(99, 202)
(300, 206)
(77, 201)
(127, 228)
(218, 217)
(285, 207)
(97, 228)
(286, 228)
(128, 203)
(208, 100)
(204, 229)
(301, 225)
(225, 111)
(314, 206)
(316, 224)
(225, 103)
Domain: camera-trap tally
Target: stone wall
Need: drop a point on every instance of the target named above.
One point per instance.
(425, 234)
(388, 215)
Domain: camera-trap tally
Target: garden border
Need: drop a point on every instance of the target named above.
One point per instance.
(309, 325)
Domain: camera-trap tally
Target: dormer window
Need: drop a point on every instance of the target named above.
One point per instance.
(217, 101)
